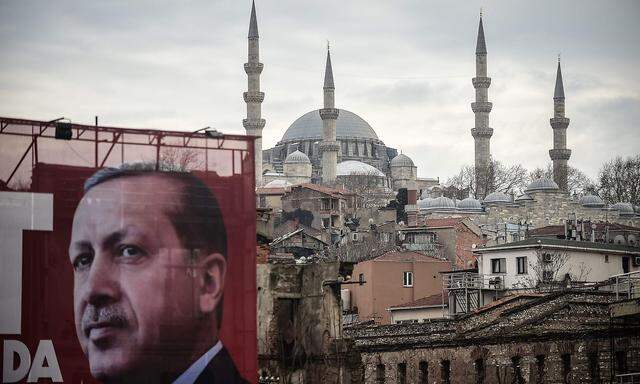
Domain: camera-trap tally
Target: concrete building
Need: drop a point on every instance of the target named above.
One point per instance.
(420, 311)
(254, 123)
(394, 278)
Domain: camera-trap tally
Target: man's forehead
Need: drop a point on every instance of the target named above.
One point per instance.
(152, 189)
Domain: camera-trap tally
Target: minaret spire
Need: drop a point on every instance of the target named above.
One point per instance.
(329, 114)
(481, 107)
(254, 123)
(559, 154)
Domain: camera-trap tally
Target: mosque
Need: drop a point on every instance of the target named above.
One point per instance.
(326, 145)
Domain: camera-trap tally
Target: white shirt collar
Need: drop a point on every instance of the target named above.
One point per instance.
(191, 374)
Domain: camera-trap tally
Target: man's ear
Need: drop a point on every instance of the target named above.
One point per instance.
(214, 270)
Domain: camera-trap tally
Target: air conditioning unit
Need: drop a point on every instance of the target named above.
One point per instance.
(547, 257)
(547, 275)
(495, 282)
(636, 261)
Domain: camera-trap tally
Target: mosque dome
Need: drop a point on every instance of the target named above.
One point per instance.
(542, 184)
(524, 197)
(440, 203)
(297, 157)
(497, 197)
(592, 201)
(402, 160)
(624, 209)
(469, 204)
(423, 203)
(348, 125)
(353, 167)
(278, 183)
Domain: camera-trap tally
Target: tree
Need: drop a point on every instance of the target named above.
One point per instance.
(367, 186)
(619, 180)
(181, 159)
(500, 178)
(578, 183)
(549, 270)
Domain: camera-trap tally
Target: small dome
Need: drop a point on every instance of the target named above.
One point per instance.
(524, 197)
(624, 209)
(469, 204)
(297, 157)
(402, 160)
(497, 197)
(440, 203)
(353, 167)
(423, 203)
(592, 201)
(278, 183)
(542, 184)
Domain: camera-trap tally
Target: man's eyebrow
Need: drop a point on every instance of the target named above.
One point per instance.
(80, 245)
(121, 234)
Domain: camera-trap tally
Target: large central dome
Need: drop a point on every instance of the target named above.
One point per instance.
(348, 125)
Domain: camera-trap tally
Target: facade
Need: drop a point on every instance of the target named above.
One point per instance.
(533, 262)
(566, 337)
(394, 278)
(419, 311)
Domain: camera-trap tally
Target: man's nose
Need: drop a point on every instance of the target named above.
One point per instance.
(102, 284)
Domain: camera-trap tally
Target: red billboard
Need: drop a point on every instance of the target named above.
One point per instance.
(127, 255)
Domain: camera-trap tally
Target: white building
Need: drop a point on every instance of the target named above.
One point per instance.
(420, 311)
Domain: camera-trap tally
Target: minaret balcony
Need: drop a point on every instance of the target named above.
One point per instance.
(481, 132)
(329, 113)
(253, 68)
(481, 82)
(481, 106)
(560, 154)
(559, 122)
(253, 97)
(253, 124)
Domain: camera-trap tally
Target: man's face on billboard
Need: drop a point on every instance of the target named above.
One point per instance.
(137, 291)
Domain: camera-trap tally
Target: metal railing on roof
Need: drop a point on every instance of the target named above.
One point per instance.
(627, 284)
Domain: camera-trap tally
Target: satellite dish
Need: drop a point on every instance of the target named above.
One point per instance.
(474, 246)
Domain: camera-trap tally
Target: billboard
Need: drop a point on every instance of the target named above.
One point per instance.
(127, 255)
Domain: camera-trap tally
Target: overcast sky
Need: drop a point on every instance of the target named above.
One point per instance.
(404, 66)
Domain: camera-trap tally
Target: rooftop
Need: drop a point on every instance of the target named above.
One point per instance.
(429, 301)
(542, 242)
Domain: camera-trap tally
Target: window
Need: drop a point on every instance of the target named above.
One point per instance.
(407, 279)
(606, 258)
(517, 370)
(380, 373)
(423, 374)
(402, 373)
(521, 264)
(594, 367)
(499, 265)
(566, 368)
(445, 371)
(326, 204)
(480, 369)
(361, 278)
(326, 223)
(621, 362)
(540, 369)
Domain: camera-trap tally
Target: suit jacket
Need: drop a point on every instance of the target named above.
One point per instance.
(221, 370)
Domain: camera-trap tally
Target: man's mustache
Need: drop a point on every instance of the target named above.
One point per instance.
(98, 317)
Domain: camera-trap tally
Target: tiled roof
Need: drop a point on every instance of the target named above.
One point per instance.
(447, 222)
(428, 301)
(407, 256)
(542, 242)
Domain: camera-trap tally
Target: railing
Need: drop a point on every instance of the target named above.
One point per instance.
(469, 280)
(627, 284)
(628, 378)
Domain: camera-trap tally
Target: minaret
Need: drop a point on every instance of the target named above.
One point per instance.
(559, 154)
(253, 97)
(329, 114)
(481, 108)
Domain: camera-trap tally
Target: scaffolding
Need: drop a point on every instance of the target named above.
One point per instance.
(465, 290)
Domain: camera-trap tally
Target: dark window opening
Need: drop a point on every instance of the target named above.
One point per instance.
(625, 264)
(566, 368)
(621, 362)
(480, 371)
(499, 265)
(540, 369)
(517, 370)
(402, 373)
(594, 367)
(380, 373)
(521, 263)
(423, 375)
(445, 371)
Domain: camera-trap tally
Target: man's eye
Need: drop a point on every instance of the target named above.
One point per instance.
(83, 261)
(130, 251)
